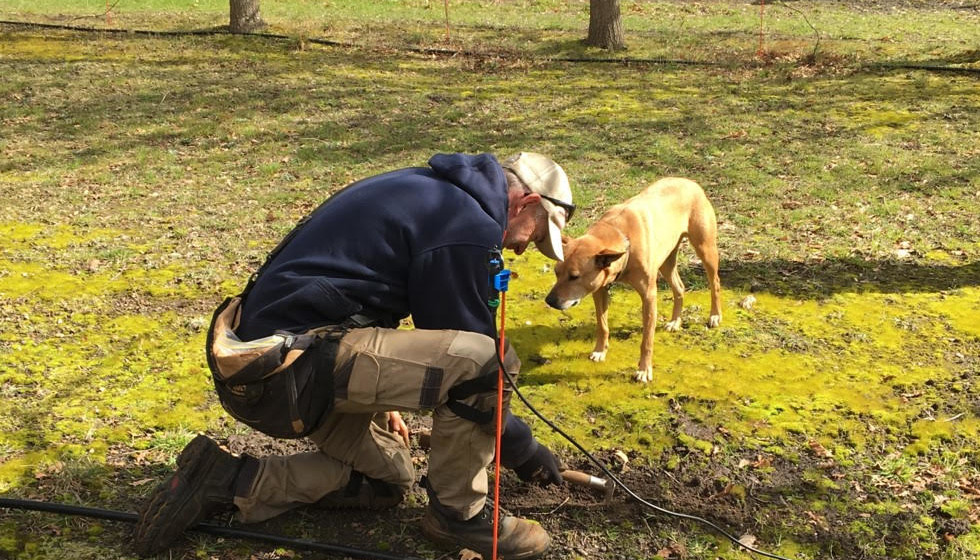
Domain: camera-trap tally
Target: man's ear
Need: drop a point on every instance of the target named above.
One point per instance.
(607, 257)
(565, 239)
(529, 199)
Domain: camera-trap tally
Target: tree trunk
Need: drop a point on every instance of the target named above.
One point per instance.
(605, 25)
(245, 16)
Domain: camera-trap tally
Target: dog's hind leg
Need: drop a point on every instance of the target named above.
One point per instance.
(669, 272)
(601, 299)
(710, 261)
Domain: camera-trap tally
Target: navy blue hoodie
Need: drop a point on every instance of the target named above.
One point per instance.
(410, 242)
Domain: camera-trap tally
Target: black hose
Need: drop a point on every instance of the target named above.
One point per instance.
(434, 51)
(209, 528)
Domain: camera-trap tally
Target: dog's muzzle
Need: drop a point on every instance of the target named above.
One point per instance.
(553, 301)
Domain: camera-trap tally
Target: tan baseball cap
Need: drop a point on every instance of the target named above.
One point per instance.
(545, 177)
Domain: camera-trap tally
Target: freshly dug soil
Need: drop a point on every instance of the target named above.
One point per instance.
(581, 521)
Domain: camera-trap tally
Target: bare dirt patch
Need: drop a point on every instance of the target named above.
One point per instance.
(582, 522)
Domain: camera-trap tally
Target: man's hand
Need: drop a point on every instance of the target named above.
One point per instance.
(397, 426)
(541, 468)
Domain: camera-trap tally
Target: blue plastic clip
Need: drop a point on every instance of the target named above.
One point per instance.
(499, 277)
(501, 280)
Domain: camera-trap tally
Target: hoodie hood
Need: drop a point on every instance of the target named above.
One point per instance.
(480, 176)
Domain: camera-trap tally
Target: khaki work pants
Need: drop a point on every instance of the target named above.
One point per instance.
(379, 370)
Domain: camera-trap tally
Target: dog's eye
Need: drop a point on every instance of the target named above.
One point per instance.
(573, 276)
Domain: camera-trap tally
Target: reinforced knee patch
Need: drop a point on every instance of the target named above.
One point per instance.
(485, 383)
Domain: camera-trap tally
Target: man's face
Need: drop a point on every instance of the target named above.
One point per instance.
(527, 222)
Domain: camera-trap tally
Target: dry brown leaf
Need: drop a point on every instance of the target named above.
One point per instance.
(622, 459)
(819, 450)
(723, 492)
(142, 481)
(674, 550)
(817, 520)
(747, 540)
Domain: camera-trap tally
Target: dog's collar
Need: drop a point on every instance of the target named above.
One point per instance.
(626, 254)
(626, 259)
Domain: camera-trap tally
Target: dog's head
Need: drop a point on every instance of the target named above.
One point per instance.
(591, 262)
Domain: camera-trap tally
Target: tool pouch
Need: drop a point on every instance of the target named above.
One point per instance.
(280, 385)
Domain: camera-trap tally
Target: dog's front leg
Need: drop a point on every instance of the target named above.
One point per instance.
(644, 371)
(601, 299)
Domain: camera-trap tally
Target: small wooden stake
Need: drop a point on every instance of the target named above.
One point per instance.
(446, 3)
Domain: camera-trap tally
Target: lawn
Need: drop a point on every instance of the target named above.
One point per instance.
(834, 414)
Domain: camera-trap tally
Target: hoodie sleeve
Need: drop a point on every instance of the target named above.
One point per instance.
(448, 289)
(517, 445)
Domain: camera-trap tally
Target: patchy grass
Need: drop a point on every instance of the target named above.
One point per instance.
(816, 32)
(145, 177)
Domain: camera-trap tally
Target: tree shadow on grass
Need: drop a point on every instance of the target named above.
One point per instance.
(816, 280)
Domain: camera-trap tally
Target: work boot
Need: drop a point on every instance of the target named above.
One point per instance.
(203, 485)
(516, 538)
(362, 492)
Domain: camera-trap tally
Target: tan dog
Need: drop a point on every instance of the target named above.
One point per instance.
(630, 243)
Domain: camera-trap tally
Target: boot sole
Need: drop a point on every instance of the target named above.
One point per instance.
(438, 535)
(157, 530)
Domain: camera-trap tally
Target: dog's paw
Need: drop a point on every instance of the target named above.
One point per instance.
(673, 326)
(714, 321)
(644, 375)
(597, 356)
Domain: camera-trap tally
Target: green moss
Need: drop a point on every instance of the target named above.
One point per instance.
(956, 508)
(820, 481)
(95, 374)
(95, 530)
(695, 444)
(50, 280)
(789, 368)
(883, 508)
(878, 122)
(929, 434)
(958, 309)
(16, 466)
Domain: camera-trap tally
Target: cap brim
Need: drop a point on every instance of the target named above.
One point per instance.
(551, 246)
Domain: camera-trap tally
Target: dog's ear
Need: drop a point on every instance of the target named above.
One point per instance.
(606, 257)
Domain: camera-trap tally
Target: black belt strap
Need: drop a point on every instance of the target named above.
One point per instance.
(485, 383)
(470, 413)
